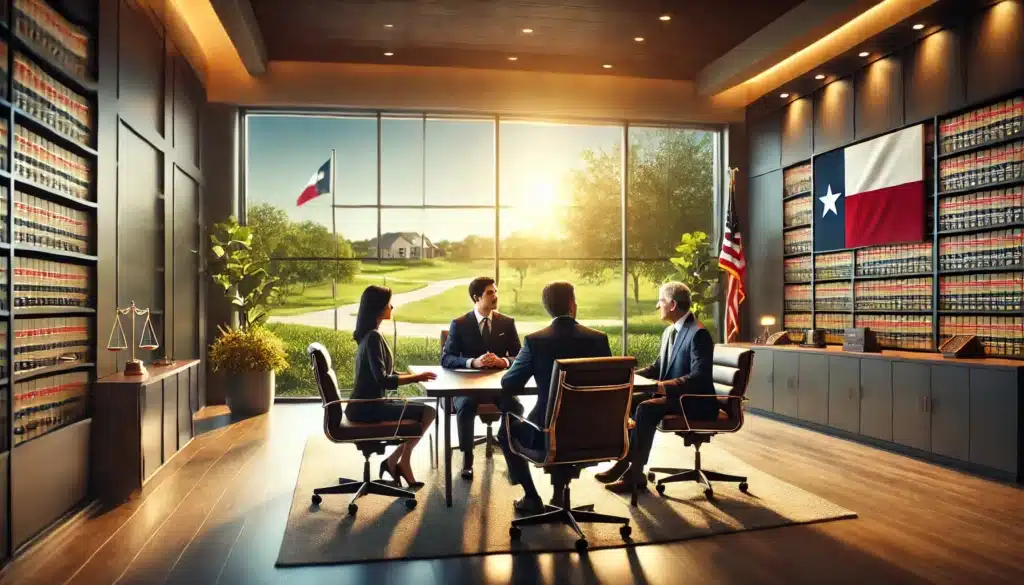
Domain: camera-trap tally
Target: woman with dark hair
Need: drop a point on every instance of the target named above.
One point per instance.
(375, 373)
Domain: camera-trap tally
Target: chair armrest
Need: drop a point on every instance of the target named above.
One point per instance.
(715, 396)
(523, 420)
(508, 435)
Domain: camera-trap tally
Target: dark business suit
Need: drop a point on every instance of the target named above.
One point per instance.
(465, 341)
(375, 374)
(563, 339)
(685, 368)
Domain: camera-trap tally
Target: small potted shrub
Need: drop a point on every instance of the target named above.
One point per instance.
(247, 354)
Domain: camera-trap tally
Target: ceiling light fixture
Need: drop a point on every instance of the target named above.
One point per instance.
(528, 31)
(389, 54)
(863, 54)
(513, 58)
(819, 76)
(389, 26)
(918, 26)
(664, 18)
(606, 66)
(783, 95)
(638, 39)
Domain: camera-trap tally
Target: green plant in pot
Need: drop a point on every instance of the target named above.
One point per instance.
(248, 354)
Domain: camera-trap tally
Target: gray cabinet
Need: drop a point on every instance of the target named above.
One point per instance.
(949, 408)
(812, 403)
(759, 388)
(170, 422)
(911, 424)
(785, 382)
(844, 393)
(994, 424)
(876, 399)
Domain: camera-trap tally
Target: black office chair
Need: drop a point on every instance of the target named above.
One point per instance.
(369, 438)
(487, 412)
(585, 424)
(731, 371)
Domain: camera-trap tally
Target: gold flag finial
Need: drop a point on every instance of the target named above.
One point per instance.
(732, 178)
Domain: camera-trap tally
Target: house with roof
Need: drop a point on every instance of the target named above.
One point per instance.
(404, 245)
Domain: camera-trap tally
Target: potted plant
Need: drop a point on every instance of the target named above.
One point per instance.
(248, 354)
(697, 267)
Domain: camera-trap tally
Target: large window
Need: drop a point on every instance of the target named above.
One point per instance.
(422, 204)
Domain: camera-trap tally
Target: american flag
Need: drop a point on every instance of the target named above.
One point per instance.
(732, 260)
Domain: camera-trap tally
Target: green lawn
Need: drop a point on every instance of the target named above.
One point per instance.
(429, 270)
(319, 296)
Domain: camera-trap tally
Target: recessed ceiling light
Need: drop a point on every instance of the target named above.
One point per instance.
(389, 26)
(783, 95)
(638, 39)
(863, 54)
(918, 26)
(819, 76)
(606, 66)
(389, 54)
(513, 58)
(528, 31)
(664, 18)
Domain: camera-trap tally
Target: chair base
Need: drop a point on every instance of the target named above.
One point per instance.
(363, 488)
(696, 474)
(571, 517)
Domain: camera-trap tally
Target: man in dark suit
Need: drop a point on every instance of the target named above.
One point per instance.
(683, 367)
(563, 339)
(480, 339)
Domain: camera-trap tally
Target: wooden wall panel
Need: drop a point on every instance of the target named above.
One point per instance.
(141, 71)
(797, 131)
(188, 98)
(994, 51)
(3, 505)
(764, 254)
(765, 139)
(186, 278)
(878, 98)
(833, 115)
(933, 76)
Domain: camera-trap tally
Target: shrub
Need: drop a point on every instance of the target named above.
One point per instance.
(255, 349)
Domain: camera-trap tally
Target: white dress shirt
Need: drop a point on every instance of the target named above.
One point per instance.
(480, 325)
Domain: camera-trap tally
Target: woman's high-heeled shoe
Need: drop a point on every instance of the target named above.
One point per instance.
(412, 484)
(396, 478)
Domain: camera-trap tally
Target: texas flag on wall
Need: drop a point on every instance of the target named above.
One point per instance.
(871, 193)
(319, 184)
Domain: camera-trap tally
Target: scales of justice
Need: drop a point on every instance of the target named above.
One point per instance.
(118, 341)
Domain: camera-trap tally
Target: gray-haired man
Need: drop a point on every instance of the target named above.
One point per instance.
(683, 367)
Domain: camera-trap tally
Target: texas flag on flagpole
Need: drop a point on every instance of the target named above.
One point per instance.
(871, 193)
(319, 184)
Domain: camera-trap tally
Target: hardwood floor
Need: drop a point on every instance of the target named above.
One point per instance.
(216, 513)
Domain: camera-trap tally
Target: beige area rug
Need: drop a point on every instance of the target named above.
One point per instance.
(478, 523)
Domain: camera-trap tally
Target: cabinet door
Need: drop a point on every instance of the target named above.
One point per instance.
(876, 398)
(184, 410)
(844, 393)
(193, 385)
(170, 434)
(812, 405)
(759, 388)
(950, 410)
(994, 418)
(911, 425)
(152, 425)
(784, 382)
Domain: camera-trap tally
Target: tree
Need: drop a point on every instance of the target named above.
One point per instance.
(244, 279)
(698, 269)
(520, 254)
(670, 193)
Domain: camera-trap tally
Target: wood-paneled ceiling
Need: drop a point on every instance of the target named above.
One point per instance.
(573, 36)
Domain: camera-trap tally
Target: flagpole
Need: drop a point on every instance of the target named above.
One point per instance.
(334, 234)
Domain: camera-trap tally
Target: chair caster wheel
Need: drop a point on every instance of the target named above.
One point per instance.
(651, 477)
(709, 494)
(660, 487)
(410, 503)
(352, 508)
(744, 487)
(317, 499)
(514, 533)
(582, 545)
(626, 531)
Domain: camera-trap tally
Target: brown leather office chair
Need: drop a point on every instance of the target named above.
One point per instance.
(487, 412)
(585, 424)
(369, 438)
(731, 372)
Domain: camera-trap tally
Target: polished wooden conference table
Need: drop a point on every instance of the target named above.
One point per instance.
(483, 385)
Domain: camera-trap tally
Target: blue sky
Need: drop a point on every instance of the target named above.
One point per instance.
(455, 168)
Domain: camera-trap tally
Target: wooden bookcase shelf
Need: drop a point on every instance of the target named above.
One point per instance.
(914, 325)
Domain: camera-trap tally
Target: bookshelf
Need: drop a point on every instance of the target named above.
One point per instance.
(965, 277)
(48, 206)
